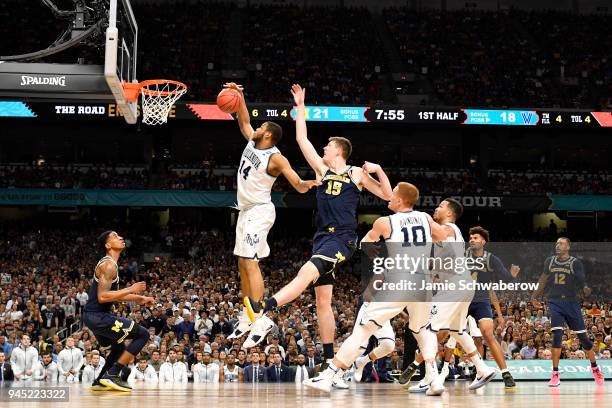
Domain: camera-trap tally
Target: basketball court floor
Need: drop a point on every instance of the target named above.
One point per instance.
(527, 394)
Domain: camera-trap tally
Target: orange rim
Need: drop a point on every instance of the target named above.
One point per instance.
(132, 90)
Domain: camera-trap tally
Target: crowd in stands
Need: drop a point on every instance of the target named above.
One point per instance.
(549, 182)
(73, 177)
(338, 53)
(46, 272)
(465, 54)
(333, 52)
(432, 181)
(186, 41)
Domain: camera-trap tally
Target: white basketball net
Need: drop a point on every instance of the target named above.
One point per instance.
(157, 100)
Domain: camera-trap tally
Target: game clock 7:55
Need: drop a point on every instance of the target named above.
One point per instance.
(390, 114)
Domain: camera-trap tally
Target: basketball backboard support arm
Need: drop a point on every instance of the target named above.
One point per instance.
(117, 71)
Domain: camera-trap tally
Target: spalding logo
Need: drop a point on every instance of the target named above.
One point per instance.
(27, 80)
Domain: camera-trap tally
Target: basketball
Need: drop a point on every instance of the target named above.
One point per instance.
(228, 100)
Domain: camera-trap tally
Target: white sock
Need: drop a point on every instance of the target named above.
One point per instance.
(337, 371)
(480, 365)
(505, 370)
(431, 371)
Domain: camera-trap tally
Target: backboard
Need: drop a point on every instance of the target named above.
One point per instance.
(25, 77)
(120, 61)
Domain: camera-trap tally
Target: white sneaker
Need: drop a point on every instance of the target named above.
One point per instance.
(444, 372)
(422, 386)
(340, 383)
(323, 382)
(242, 327)
(436, 387)
(483, 378)
(360, 364)
(259, 330)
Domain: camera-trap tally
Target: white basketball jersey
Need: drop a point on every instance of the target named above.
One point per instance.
(450, 251)
(410, 227)
(410, 236)
(254, 182)
(458, 236)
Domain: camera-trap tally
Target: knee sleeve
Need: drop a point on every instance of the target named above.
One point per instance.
(586, 343)
(384, 348)
(139, 339)
(557, 338)
(466, 342)
(323, 266)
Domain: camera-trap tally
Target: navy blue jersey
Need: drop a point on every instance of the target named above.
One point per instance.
(337, 201)
(93, 305)
(492, 270)
(565, 279)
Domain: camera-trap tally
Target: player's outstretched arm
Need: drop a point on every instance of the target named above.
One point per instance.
(105, 282)
(381, 187)
(244, 119)
(301, 134)
(280, 165)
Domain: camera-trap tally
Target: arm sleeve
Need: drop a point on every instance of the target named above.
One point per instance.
(196, 375)
(184, 375)
(80, 363)
(17, 369)
(87, 374)
(132, 376)
(60, 363)
(34, 359)
(38, 372)
(150, 374)
(499, 269)
(162, 373)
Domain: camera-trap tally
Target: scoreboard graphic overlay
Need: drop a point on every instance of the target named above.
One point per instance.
(105, 110)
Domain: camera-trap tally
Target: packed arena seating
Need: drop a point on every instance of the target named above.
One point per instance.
(198, 299)
(332, 52)
(222, 178)
(505, 59)
(335, 51)
(181, 42)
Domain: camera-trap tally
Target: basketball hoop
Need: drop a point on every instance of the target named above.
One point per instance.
(158, 96)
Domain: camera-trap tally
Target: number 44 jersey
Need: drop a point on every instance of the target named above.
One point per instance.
(254, 181)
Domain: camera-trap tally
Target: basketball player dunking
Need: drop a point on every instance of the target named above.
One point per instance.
(110, 330)
(261, 163)
(563, 278)
(406, 228)
(335, 239)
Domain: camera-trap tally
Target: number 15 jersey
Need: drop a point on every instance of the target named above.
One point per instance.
(254, 181)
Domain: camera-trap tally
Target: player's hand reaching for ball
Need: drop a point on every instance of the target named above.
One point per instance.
(234, 86)
(138, 287)
(536, 303)
(299, 94)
